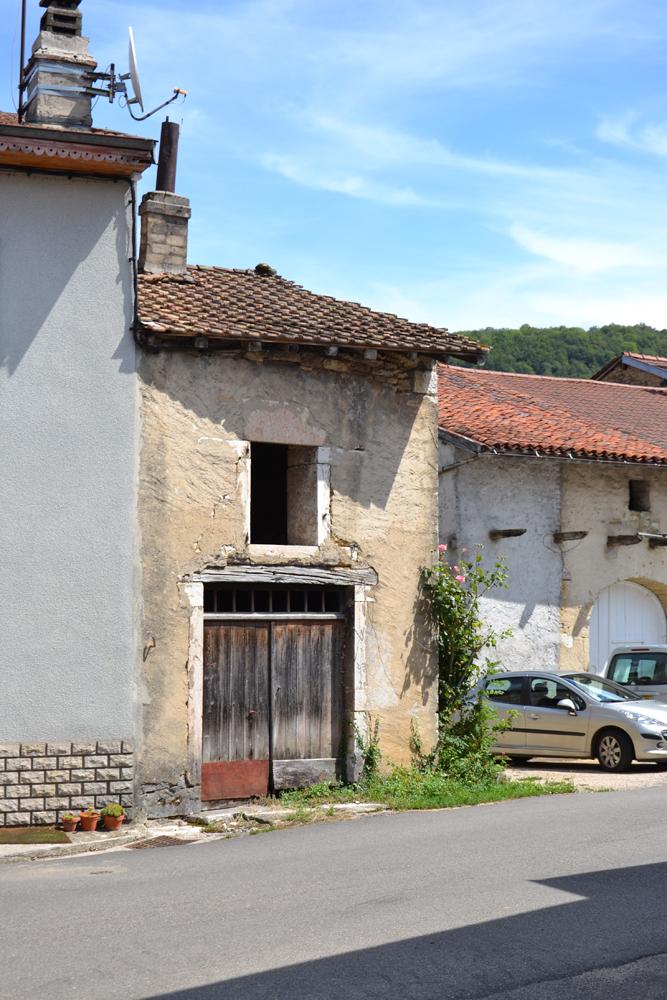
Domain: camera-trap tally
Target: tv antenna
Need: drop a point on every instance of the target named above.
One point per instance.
(117, 85)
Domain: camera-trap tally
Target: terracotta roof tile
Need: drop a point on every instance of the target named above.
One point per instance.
(648, 359)
(242, 305)
(555, 416)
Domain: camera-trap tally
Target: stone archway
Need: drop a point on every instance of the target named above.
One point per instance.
(625, 614)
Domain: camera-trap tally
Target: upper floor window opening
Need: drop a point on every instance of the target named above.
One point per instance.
(640, 498)
(283, 494)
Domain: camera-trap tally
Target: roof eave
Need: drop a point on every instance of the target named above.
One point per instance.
(557, 455)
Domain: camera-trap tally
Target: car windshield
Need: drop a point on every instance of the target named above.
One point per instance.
(639, 667)
(601, 690)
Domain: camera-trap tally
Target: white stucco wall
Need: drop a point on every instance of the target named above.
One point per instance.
(510, 493)
(67, 456)
(595, 499)
(552, 587)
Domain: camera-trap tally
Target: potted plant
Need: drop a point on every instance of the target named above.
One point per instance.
(113, 815)
(69, 821)
(89, 819)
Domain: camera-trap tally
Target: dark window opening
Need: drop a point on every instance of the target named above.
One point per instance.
(297, 600)
(245, 599)
(639, 494)
(279, 600)
(268, 494)
(262, 600)
(314, 600)
(331, 601)
(225, 601)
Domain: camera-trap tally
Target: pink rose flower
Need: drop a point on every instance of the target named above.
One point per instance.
(442, 548)
(460, 579)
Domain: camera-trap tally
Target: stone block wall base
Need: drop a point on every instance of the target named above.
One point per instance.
(41, 781)
(163, 801)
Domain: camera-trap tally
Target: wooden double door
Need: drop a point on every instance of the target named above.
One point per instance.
(272, 705)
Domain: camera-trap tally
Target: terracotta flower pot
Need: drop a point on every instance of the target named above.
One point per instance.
(69, 825)
(113, 822)
(89, 822)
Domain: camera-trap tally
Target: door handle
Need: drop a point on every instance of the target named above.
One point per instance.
(534, 716)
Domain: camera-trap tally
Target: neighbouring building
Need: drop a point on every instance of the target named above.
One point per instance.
(634, 369)
(567, 480)
(218, 492)
(68, 444)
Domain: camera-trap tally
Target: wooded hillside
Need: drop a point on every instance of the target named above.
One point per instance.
(568, 352)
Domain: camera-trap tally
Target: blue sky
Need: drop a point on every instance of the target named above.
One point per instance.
(467, 163)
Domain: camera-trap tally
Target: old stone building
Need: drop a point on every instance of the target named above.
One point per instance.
(634, 369)
(567, 480)
(287, 503)
(218, 492)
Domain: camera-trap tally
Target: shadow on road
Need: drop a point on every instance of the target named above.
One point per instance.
(620, 918)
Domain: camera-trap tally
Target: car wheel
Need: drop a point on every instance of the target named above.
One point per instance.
(615, 751)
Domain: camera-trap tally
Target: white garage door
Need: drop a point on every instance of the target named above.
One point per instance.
(625, 614)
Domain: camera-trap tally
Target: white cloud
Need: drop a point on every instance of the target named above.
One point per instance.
(651, 138)
(380, 146)
(589, 256)
(317, 176)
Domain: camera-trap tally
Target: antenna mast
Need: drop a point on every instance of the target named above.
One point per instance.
(22, 57)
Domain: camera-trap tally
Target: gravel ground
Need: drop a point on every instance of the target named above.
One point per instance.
(587, 775)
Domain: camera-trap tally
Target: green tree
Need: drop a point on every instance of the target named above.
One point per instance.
(565, 352)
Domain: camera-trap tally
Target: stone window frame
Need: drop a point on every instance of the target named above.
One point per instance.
(244, 460)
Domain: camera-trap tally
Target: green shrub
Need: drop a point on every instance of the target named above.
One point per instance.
(113, 809)
(468, 725)
(370, 751)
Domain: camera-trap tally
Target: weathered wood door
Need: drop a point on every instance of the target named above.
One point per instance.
(306, 701)
(235, 751)
(272, 705)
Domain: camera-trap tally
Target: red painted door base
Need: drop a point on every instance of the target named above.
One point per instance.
(234, 779)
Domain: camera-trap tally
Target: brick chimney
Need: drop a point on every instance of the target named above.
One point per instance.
(59, 69)
(164, 214)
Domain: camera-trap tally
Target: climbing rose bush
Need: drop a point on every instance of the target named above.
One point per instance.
(468, 724)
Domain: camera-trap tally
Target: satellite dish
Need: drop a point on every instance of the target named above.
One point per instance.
(116, 84)
(134, 73)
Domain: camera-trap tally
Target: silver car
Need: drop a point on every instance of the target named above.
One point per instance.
(577, 715)
(641, 669)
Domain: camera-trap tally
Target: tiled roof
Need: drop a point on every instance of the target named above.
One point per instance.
(242, 305)
(556, 417)
(629, 356)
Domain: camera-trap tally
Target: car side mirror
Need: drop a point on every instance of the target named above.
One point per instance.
(568, 704)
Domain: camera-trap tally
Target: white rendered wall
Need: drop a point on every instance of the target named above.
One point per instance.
(510, 493)
(67, 459)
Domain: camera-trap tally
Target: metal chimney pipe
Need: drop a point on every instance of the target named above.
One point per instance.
(166, 167)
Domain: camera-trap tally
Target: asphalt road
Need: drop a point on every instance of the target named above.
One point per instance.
(546, 899)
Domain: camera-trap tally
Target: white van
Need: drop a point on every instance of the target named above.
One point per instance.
(641, 669)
